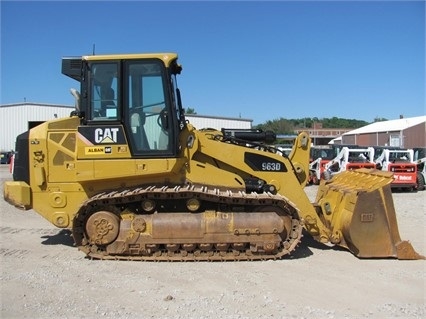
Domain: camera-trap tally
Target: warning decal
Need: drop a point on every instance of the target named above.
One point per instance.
(96, 150)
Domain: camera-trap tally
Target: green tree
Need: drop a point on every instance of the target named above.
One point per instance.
(380, 119)
(287, 126)
(190, 111)
(279, 126)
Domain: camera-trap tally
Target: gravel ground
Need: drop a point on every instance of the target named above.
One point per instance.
(44, 276)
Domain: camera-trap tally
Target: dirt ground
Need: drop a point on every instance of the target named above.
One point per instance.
(44, 276)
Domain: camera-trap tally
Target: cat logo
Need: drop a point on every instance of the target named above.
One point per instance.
(102, 135)
(106, 135)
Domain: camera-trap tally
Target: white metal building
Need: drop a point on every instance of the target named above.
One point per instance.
(403, 132)
(203, 121)
(19, 117)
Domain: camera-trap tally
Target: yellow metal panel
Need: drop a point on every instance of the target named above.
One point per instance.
(59, 216)
(60, 219)
(17, 194)
(40, 175)
(58, 199)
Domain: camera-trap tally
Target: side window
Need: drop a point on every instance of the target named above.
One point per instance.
(104, 91)
(146, 107)
(175, 103)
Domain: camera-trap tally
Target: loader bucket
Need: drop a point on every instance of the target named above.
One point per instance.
(357, 207)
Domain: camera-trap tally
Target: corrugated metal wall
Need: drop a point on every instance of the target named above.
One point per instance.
(200, 122)
(370, 139)
(14, 119)
(411, 137)
(415, 136)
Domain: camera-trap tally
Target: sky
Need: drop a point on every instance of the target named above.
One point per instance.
(258, 60)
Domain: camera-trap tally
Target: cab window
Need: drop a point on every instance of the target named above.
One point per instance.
(146, 112)
(104, 91)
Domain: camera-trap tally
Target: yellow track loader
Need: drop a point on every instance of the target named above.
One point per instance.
(134, 180)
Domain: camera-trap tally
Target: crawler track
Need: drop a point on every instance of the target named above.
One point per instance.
(191, 223)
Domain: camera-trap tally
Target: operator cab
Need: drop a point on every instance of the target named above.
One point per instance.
(136, 95)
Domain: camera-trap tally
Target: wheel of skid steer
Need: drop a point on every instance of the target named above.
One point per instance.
(313, 178)
(326, 175)
(420, 182)
(317, 180)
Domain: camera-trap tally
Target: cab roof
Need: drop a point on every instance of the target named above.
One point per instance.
(166, 57)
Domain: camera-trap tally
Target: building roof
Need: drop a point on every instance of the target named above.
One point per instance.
(218, 117)
(36, 104)
(389, 126)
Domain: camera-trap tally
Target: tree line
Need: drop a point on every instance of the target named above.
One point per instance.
(288, 126)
